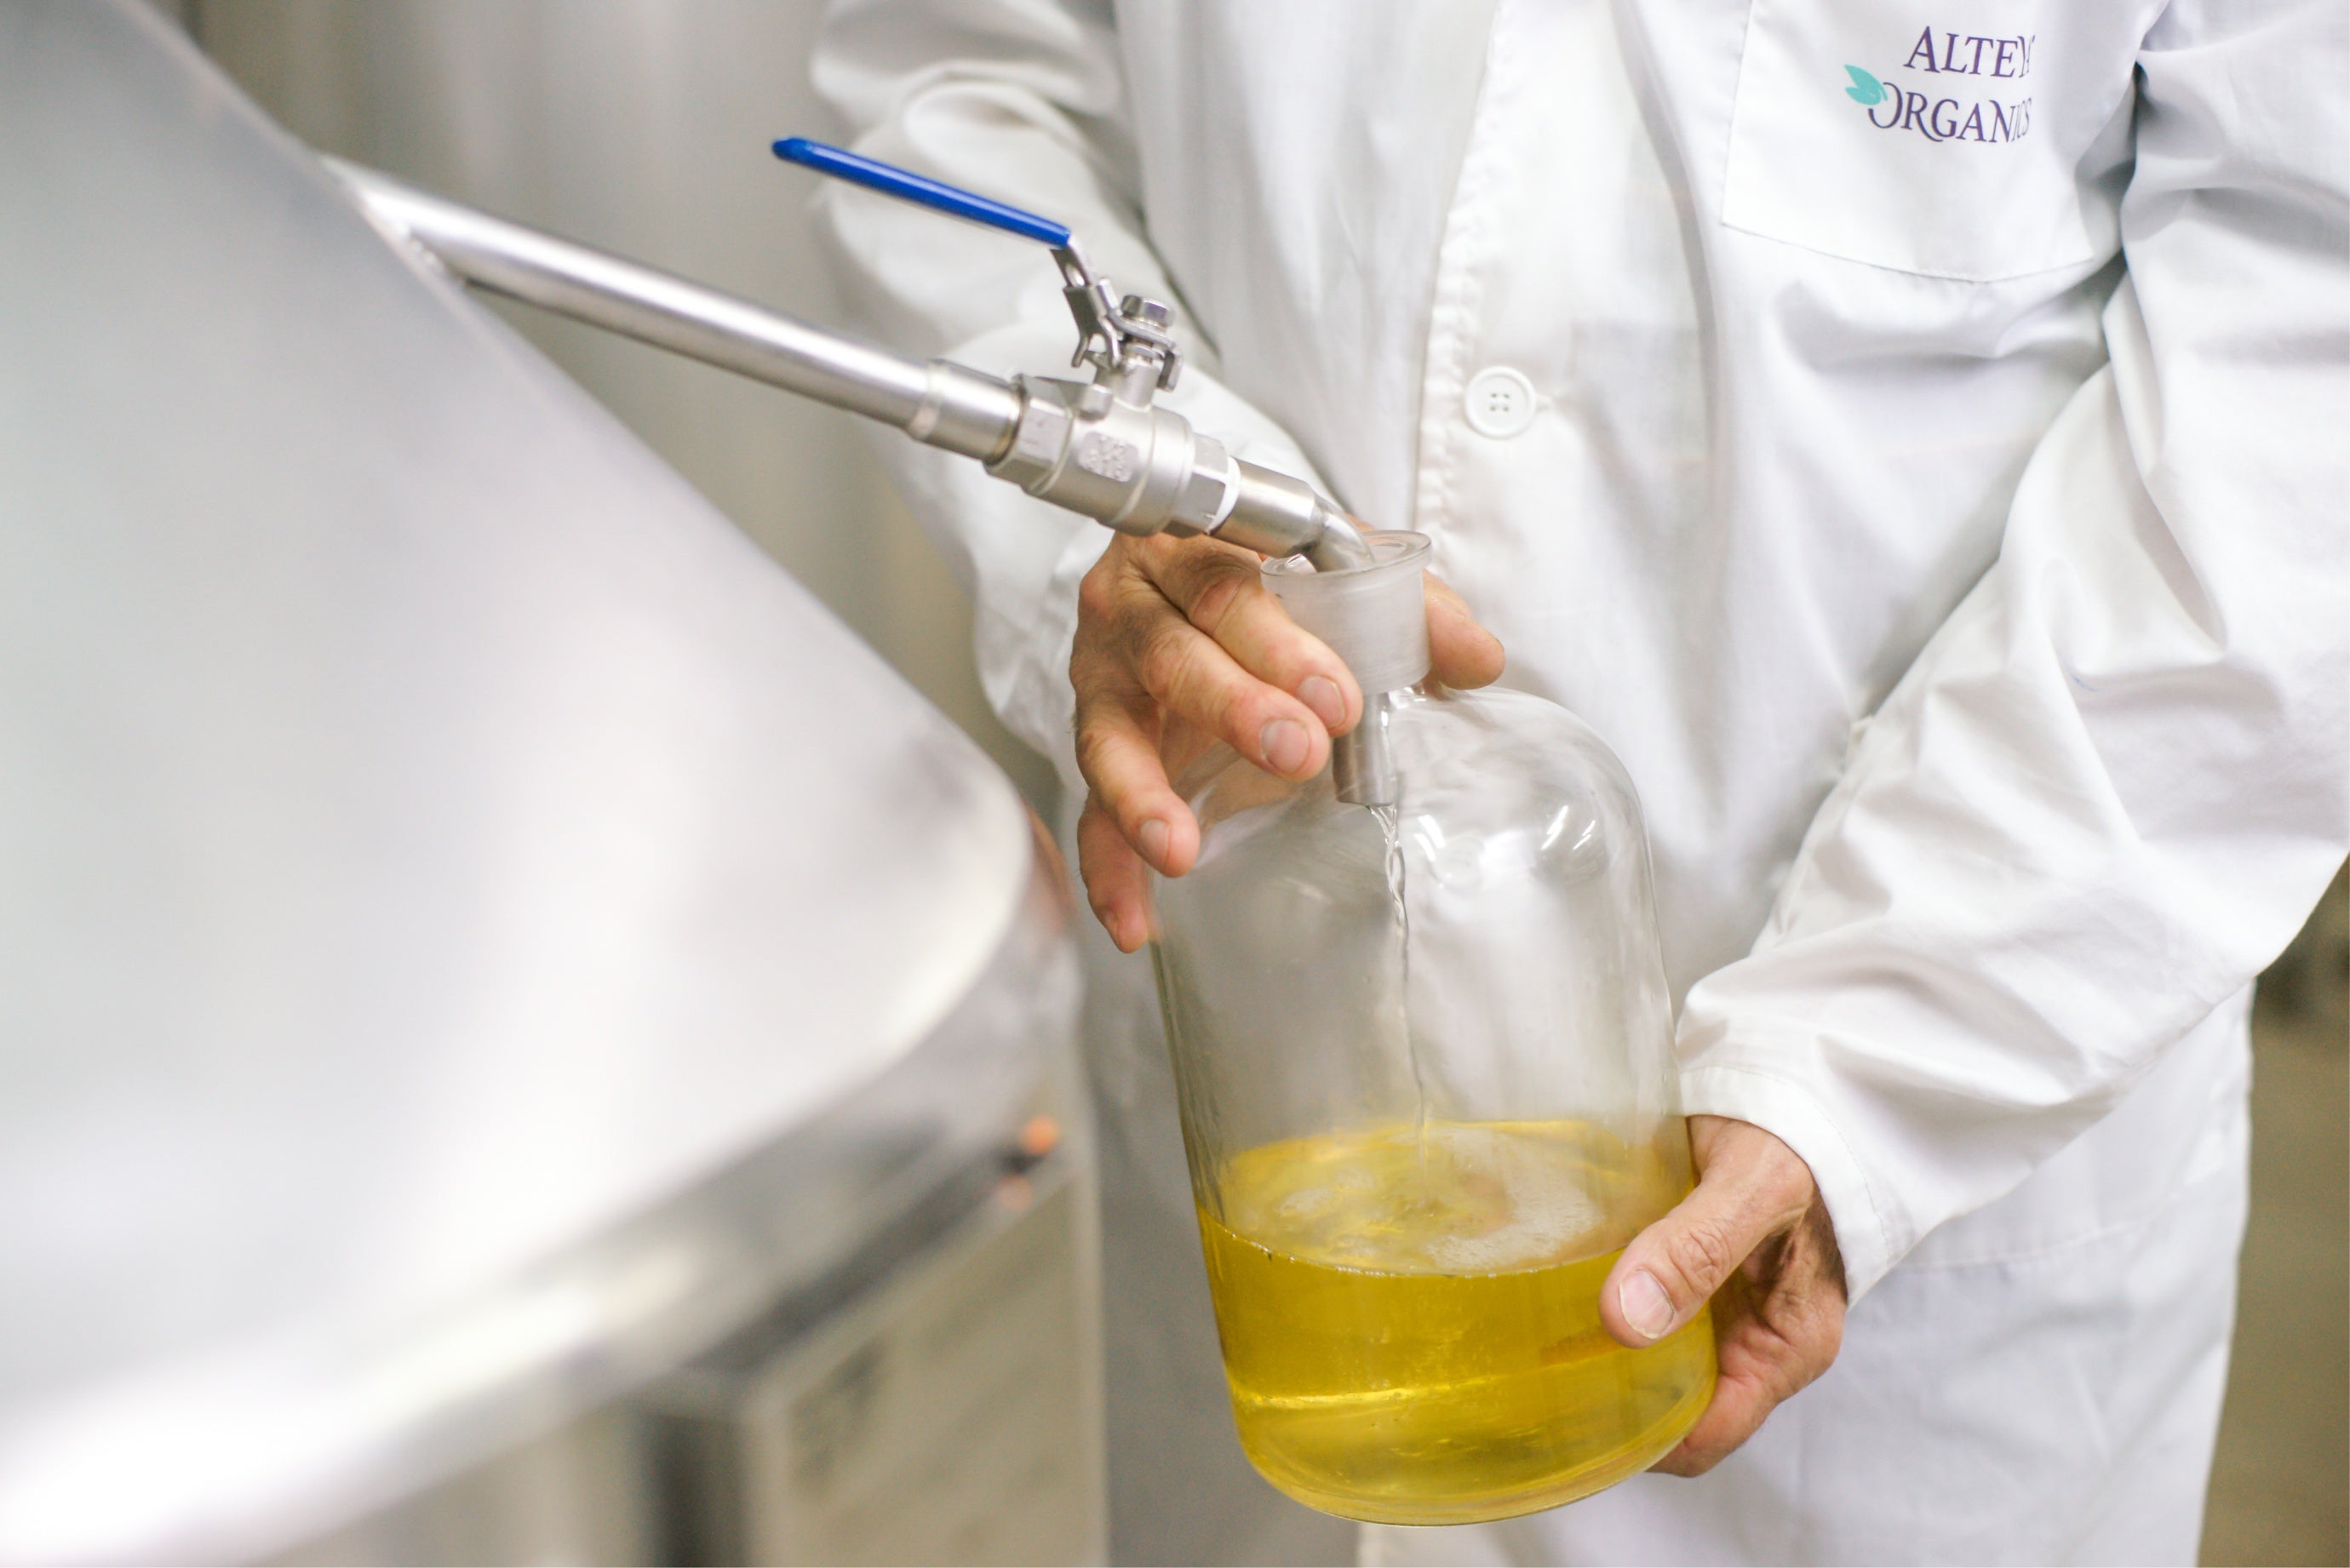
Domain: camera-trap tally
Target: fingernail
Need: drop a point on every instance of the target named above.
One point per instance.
(1645, 1305)
(1153, 834)
(1285, 746)
(1320, 693)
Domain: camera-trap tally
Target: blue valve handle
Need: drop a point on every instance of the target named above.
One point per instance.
(892, 181)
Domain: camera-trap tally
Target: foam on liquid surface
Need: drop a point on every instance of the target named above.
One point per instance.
(1452, 1199)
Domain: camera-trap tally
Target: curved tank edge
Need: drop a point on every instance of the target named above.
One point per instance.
(672, 1283)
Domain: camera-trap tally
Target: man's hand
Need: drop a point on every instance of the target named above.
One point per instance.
(1179, 645)
(1756, 1231)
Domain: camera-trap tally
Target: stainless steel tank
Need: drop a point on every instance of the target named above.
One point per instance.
(520, 1038)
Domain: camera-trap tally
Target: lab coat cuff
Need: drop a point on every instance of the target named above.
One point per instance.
(1037, 702)
(1792, 1115)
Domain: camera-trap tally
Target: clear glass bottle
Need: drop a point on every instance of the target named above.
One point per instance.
(1423, 1048)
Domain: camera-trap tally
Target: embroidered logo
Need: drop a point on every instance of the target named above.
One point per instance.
(1951, 113)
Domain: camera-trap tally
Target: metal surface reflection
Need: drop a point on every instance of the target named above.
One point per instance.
(480, 940)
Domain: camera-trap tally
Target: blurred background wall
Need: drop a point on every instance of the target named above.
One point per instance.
(2281, 1481)
(642, 126)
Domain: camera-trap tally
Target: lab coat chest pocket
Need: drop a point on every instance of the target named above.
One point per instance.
(1957, 139)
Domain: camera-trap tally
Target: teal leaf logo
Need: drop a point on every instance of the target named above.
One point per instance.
(1865, 89)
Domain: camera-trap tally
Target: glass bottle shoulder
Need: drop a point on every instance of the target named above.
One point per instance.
(1505, 771)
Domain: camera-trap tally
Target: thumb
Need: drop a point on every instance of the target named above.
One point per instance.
(1672, 1268)
(1461, 653)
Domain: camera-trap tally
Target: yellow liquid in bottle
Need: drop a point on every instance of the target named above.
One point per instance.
(1411, 1331)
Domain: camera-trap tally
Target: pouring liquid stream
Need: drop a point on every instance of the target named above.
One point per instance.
(1391, 828)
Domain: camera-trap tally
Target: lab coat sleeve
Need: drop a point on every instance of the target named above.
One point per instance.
(2114, 782)
(1023, 100)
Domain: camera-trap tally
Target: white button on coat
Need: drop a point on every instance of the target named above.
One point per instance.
(1500, 402)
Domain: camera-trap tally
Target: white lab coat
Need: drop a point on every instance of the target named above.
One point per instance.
(1912, 437)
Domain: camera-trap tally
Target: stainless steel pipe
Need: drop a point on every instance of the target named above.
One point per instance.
(939, 402)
